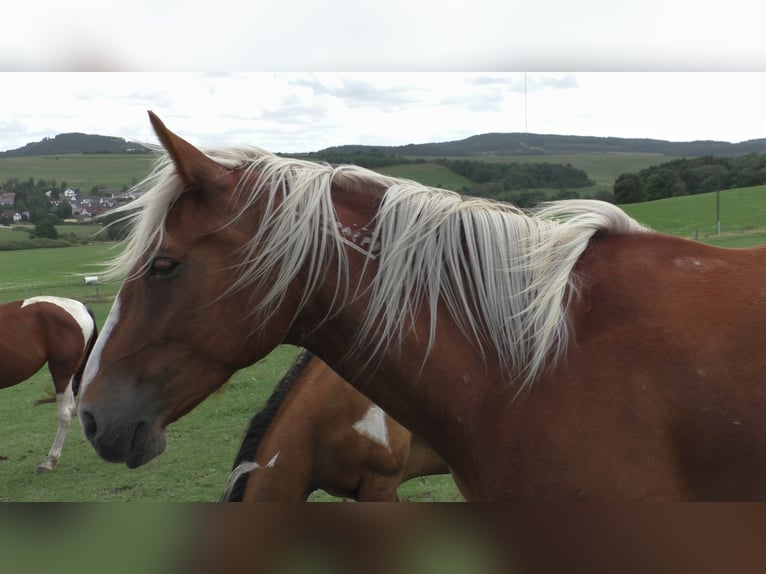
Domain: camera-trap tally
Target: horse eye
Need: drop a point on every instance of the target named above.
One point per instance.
(162, 266)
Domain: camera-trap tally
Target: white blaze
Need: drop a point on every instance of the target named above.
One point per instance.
(94, 362)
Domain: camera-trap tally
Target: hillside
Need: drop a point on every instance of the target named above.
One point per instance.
(526, 144)
(491, 144)
(742, 210)
(76, 143)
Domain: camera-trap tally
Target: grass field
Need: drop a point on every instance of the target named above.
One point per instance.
(115, 171)
(742, 212)
(79, 171)
(428, 173)
(602, 168)
(202, 445)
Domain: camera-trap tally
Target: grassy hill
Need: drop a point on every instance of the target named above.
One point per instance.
(79, 171)
(742, 210)
(76, 143)
(115, 171)
(602, 168)
(490, 144)
(525, 144)
(62, 157)
(743, 216)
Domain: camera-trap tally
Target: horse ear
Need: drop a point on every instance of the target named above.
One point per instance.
(193, 166)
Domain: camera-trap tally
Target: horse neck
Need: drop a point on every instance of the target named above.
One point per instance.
(423, 461)
(285, 478)
(303, 417)
(436, 393)
(277, 485)
(440, 398)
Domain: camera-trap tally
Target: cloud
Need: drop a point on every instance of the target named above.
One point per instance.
(565, 82)
(358, 92)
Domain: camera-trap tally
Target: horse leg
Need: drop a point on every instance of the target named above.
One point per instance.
(66, 407)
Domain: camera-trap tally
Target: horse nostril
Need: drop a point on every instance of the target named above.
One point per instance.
(88, 424)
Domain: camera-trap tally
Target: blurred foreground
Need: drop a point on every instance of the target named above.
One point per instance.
(382, 538)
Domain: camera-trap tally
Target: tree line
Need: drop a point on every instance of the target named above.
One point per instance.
(520, 183)
(690, 176)
(518, 176)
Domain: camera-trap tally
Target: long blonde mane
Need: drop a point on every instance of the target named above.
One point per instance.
(505, 275)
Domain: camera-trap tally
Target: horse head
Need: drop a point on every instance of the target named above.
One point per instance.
(176, 331)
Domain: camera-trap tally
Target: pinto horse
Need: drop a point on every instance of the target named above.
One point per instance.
(53, 330)
(317, 432)
(566, 353)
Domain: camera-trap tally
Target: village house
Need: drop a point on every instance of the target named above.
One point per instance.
(10, 215)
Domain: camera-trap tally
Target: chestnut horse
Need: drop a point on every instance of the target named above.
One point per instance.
(317, 432)
(44, 329)
(567, 353)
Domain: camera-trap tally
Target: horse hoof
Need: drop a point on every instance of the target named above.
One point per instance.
(46, 466)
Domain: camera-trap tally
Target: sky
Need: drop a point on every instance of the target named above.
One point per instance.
(309, 111)
(234, 71)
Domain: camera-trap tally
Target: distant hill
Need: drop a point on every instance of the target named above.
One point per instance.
(524, 144)
(499, 144)
(76, 143)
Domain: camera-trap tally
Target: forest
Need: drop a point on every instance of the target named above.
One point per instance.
(690, 176)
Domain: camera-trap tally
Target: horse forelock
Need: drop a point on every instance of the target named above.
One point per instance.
(157, 193)
(505, 275)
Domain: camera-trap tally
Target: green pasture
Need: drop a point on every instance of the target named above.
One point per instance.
(602, 168)
(20, 236)
(79, 230)
(428, 173)
(79, 171)
(115, 171)
(742, 213)
(202, 445)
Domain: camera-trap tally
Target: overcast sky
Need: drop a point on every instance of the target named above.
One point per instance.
(290, 110)
(294, 112)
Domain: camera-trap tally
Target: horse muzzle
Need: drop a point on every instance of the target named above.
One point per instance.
(131, 435)
(135, 442)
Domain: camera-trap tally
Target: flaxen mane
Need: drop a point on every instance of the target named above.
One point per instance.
(505, 275)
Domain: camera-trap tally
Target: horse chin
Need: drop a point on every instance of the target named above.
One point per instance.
(147, 443)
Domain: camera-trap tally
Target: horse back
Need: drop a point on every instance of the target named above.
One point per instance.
(23, 344)
(661, 393)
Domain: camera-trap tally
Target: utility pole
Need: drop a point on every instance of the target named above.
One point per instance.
(526, 127)
(718, 202)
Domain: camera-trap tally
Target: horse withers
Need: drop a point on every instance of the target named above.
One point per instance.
(566, 353)
(317, 432)
(54, 330)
